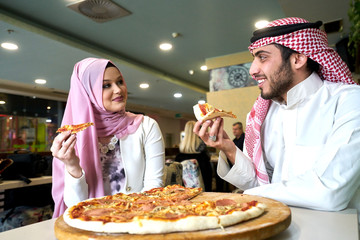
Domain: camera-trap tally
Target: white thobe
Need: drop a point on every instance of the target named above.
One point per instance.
(312, 143)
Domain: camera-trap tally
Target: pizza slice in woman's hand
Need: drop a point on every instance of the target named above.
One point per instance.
(206, 111)
(75, 128)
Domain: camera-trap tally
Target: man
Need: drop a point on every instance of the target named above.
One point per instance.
(303, 134)
(239, 135)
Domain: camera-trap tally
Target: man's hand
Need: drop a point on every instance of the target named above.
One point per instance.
(213, 135)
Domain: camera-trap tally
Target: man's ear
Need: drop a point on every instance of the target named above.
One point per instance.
(298, 60)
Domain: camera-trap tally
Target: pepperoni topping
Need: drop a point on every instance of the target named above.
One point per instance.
(225, 202)
(202, 108)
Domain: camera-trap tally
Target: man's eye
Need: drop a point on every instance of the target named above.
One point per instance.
(262, 57)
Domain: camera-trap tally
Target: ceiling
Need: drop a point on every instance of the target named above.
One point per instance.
(52, 38)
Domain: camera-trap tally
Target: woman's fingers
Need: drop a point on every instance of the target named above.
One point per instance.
(58, 141)
(63, 145)
(68, 145)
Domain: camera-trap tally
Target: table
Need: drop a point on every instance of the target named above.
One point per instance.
(12, 184)
(306, 224)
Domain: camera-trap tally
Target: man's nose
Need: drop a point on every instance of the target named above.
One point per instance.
(253, 69)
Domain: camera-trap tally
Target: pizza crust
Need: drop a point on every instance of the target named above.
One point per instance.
(149, 226)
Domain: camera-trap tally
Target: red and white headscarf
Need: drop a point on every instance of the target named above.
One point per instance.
(305, 39)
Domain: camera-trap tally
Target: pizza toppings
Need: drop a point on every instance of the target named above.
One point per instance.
(75, 128)
(206, 111)
(162, 210)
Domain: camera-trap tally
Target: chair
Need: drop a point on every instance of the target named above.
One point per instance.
(173, 173)
(191, 174)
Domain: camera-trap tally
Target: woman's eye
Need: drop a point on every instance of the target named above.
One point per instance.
(120, 82)
(106, 85)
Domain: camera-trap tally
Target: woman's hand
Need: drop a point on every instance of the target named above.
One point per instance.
(213, 134)
(63, 148)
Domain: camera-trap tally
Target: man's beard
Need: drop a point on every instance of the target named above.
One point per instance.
(280, 82)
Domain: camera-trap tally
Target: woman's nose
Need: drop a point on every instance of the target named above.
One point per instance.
(117, 89)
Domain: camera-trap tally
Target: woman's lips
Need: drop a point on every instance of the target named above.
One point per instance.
(118, 99)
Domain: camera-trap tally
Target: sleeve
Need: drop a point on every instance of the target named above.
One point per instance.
(334, 179)
(241, 174)
(154, 156)
(75, 189)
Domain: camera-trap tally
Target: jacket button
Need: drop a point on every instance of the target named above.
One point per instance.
(128, 189)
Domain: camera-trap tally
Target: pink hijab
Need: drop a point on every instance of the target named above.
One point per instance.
(85, 104)
(308, 40)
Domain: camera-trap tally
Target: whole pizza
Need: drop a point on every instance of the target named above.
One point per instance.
(160, 210)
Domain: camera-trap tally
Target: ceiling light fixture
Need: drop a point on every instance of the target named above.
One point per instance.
(261, 24)
(165, 46)
(2, 102)
(177, 95)
(9, 45)
(191, 72)
(203, 67)
(40, 81)
(144, 85)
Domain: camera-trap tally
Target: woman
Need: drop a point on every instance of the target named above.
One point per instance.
(122, 152)
(192, 147)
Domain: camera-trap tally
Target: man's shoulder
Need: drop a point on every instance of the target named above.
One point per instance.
(341, 88)
(344, 93)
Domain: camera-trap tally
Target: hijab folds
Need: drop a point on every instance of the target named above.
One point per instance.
(84, 105)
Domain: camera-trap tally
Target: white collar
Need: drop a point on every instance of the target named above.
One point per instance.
(302, 90)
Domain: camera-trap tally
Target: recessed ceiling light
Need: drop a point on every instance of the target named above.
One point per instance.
(178, 95)
(203, 67)
(261, 24)
(40, 81)
(9, 46)
(2, 102)
(144, 85)
(48, 107)
(191, 72)
(165, 46)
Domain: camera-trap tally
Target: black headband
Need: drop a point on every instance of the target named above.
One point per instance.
(281, 30)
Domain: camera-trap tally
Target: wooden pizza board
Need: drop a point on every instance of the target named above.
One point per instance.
(275, 219)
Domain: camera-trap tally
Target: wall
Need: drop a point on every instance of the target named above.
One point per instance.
(237, 100)
(171, 129)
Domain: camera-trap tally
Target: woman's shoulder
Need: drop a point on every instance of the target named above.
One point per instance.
(148, 123)
(148, 120)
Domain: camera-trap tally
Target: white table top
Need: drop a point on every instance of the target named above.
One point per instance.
(305, 224)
